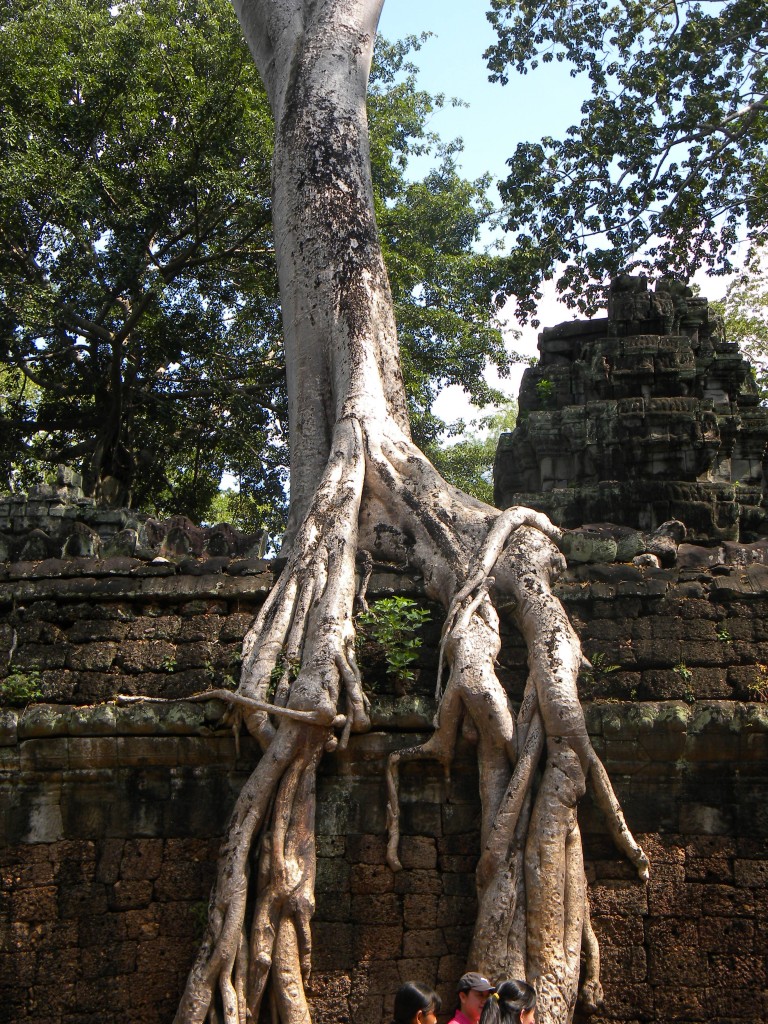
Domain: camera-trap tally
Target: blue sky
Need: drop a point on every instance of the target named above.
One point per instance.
(544, 102)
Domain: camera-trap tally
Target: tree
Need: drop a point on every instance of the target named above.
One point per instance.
(138, 288)
(135, 244)
(362, 490)
(468, 462)
(669, 159)
(744, 309)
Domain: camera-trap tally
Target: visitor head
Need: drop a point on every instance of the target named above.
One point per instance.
(474, 990)
(416, 1004)
(513, 1002)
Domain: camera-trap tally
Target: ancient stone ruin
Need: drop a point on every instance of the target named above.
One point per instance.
(645, 416)
(111, 808)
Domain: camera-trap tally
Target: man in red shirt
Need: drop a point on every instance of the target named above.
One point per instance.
(474, 989)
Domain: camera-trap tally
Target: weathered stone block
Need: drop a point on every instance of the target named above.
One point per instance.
(752, 873)
(152, 751)
(424, 942)
(383, 908)
(725, 934)
(418, 852)
(135, 656)
(130, 894)
(47, 754)
(674, 899)
(333, 906)
(618, 900)
(367, 849)
(141, 859)
(333, 875)
(674, 956)
(745, 970)
(420, 909)
(418, 881)
(331, 946)
(86, 897)
(680, 1003)
(372, 878)
(108, 963)
(182, 880)
(95, 657)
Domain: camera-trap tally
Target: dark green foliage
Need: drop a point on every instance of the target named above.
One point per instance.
(468, 463)
(394, 623)
(140, 334)
(669, 159)
(137, 285)
(745, 312)
(20, 688)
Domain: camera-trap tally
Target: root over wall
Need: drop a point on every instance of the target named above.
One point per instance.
(111, 813)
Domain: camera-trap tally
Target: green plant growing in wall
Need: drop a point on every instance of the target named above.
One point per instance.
(758, 688)
(545, 389)
(394, 624)
(21, 688)
(168, 663)
(723, 635)
(595, 671)
(682, 670)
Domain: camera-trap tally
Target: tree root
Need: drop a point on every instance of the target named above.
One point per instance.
(275, 809)
(301, 694)
(533, 908)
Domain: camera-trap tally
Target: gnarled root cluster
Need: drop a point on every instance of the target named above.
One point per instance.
(301, 695)
(533, 913)
(298, 666)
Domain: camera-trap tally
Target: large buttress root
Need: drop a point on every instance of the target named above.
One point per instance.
(531, 885)
(274, 813)
(532, 895)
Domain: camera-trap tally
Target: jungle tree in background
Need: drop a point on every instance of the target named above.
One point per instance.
(140, 334)
(668, 167)
(744, 309)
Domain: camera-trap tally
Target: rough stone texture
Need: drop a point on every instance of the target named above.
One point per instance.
(648, 415)
(56, 520)
(111, 811)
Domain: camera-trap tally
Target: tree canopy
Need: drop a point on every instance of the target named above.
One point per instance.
(745, 311)
(139, 303)
(141, 334)
(668, 167)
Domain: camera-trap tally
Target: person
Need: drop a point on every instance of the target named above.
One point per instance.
(416, 1004)
(513, 1002)
(473, 992)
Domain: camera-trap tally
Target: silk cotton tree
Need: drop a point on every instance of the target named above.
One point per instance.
(361, 491)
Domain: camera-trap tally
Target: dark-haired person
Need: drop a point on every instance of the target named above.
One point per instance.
(473, 992)
(513, 1002)
(416, 1004)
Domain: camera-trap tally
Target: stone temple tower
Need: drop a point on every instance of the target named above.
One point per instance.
(644, 416)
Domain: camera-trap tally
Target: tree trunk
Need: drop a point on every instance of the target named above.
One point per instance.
(359, 483)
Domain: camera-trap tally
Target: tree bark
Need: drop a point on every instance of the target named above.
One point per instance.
(358, 483)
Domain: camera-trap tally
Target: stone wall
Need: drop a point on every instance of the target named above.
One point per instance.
(111, 811)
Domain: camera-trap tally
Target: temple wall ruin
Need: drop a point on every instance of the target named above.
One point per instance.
(111, 811)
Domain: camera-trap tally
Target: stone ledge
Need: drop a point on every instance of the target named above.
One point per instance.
(35, 581)
(605, 718)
